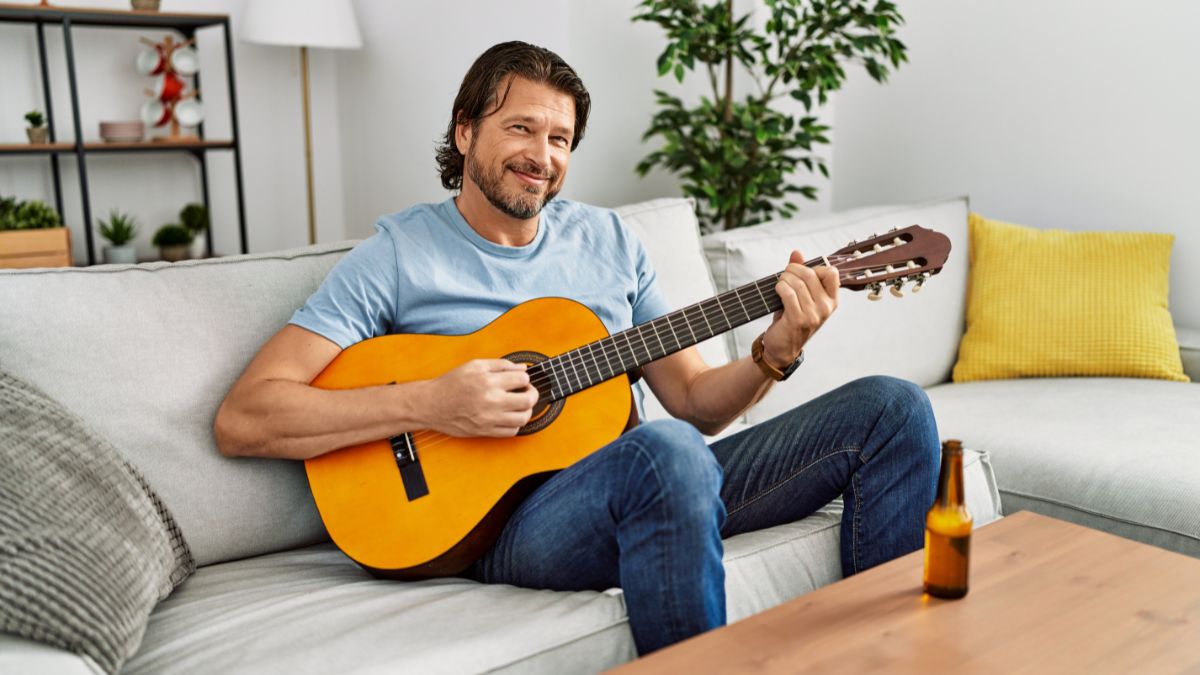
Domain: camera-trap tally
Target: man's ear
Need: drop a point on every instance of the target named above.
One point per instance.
(462, 135)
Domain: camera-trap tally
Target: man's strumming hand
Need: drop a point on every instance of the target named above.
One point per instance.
(484, 397)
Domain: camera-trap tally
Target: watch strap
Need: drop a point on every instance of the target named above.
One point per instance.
(756, 354)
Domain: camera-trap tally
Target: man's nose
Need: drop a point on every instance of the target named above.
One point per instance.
(538, 151)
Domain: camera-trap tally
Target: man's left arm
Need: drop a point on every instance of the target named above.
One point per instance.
(710, 398)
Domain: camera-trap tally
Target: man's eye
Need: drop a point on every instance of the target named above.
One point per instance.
(561, 140)
(520, 127)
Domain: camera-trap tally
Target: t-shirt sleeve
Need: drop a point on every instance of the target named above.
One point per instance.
(357, 300)
(649, 303)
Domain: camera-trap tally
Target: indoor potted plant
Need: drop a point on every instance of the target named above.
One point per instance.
(32, 235)
(174, 242)
(37, 131)
(194, 217)
(736, 149)
(119, 230)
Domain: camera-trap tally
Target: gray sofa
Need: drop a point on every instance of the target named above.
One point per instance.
(145, 354)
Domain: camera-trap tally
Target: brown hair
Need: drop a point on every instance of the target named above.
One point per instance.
(480, 96)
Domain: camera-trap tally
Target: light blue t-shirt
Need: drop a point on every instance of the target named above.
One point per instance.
(426, 271)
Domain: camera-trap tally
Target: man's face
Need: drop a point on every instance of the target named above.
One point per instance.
(518, 155)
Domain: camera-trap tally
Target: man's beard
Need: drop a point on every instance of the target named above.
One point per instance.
(521, 204)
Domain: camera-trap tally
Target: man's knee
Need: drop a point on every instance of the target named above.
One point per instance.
(681, 463)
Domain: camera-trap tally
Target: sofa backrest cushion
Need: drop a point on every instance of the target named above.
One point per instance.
(915, 338)
(144, 355)
(671, 234)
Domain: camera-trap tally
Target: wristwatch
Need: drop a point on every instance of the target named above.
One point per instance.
(756, 353)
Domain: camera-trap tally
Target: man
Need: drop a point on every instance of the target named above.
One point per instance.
(648, 511)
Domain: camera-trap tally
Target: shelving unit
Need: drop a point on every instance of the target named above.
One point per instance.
(186, 25)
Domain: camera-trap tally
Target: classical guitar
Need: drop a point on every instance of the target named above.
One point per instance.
(424, 504)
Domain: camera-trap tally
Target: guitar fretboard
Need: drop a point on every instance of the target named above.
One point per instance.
(622, 352)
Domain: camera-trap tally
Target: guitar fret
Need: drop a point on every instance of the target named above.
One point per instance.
(643, 339)
(678, 344)
(689, 326)
(704, 315)
(737, 294)
(659, 338)
(728, 323)
(599, 373)
(604, 351)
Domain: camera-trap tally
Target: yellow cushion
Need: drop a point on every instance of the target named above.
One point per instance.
(1050, 303)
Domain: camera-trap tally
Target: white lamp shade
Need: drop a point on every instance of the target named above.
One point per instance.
(301, 23)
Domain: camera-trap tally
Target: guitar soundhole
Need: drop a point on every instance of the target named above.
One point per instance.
(544, 412)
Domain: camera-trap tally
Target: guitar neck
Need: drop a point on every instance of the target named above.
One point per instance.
(623, 352)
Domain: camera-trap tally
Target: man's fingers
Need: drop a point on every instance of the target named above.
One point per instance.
(511, 380)
(501, 365)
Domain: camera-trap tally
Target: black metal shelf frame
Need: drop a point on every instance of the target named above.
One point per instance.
(186, 25)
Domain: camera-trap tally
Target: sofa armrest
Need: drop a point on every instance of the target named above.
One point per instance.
(1189, 350)
(18, 655)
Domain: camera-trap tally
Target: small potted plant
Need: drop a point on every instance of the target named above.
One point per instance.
(38, 132)
(174, 242)
(119, 230)
(194, 217)
(32, 235)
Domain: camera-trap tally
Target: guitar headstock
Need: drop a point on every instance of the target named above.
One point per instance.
(911, 254)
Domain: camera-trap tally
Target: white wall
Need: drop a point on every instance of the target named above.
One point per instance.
(1072, 114)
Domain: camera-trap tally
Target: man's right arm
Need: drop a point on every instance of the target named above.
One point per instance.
(272, 411)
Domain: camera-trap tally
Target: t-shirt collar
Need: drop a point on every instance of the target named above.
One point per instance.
(460, 223)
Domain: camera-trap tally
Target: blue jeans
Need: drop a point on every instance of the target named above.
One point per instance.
(648, 511)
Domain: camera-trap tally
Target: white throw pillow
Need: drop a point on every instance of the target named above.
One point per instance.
(669, 231)
(914, 338)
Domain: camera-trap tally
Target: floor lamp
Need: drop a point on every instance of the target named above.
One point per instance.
(303, 24)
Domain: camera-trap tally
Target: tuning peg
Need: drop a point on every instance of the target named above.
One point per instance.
(890, 269)
(878, 248)
(897, 287)
(894, 229)
(874, 294)
(920, 282)
(898, 241)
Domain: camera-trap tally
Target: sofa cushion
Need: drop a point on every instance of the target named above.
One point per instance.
(914, 338)
(671, 234)
(313, 610)
(1051, 303)
(145, 355)
(1114, 454)
(86, 547)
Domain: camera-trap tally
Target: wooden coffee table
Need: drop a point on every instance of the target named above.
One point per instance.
(1045, 596)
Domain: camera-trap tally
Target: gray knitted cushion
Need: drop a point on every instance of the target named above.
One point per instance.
(86, 547)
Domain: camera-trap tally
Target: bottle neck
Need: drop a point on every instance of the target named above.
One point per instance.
(950, 480)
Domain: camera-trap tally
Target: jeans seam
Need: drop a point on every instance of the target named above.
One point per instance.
(855, 485)
(672, 609)
(790, 476)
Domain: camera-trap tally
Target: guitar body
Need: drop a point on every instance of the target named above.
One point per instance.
(472, 484)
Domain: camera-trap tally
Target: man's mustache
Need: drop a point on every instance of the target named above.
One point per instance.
(532, 169)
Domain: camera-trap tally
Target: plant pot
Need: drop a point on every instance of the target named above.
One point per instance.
(146, 5)
(38, 135)
(49, 247)
(175, 253)
(121, 255)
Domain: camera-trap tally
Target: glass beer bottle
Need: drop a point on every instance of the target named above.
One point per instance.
(948, 530)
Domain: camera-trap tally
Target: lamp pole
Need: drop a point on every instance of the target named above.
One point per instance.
(308, 168)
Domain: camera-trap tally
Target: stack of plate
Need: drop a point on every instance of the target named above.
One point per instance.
(122, 132)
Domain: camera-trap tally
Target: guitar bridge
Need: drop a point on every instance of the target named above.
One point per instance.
(410, 466)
